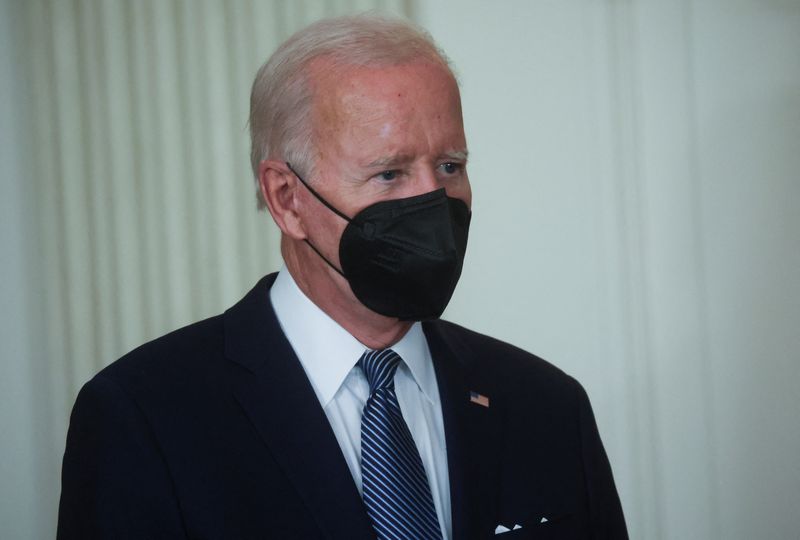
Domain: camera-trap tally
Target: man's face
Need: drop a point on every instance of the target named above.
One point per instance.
(382, 133)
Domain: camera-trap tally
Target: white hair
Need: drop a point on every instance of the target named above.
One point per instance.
(281, 98)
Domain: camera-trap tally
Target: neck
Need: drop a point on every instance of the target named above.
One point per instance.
(332, 294)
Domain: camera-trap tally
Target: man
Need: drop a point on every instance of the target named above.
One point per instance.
(320, 406)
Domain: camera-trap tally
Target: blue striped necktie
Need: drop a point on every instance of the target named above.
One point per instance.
(395, 487)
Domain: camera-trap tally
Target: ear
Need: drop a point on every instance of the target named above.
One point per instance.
(278, 185)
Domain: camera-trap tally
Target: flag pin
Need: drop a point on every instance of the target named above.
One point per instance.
(479, 399)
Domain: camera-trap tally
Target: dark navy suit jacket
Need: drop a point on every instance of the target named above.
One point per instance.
(214, 432)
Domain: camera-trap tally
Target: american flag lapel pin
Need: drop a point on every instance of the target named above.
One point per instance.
(479, 399)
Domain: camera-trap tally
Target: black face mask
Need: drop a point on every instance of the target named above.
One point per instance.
(403, 257)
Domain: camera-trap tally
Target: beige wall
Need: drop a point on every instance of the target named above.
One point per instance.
(636, 171)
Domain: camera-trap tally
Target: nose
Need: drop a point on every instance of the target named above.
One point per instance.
(427, 180)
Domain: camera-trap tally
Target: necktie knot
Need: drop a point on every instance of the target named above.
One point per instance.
(379, 367)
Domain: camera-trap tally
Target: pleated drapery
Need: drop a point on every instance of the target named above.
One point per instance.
(146, 202)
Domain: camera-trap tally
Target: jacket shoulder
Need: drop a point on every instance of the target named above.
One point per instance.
(180, 355)
(485, 353)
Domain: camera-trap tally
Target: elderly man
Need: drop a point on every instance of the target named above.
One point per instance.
(331, 402)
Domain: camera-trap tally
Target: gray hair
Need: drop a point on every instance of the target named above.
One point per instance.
(281, 98)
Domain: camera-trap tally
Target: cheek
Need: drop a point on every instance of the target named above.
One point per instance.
(461, 190)
(468, 197)
(324, 230)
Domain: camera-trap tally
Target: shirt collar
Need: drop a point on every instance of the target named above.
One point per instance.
(328, 352)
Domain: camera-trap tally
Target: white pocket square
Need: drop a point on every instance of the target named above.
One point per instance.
(500, 529)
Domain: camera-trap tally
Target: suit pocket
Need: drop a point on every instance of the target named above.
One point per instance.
(556, 526)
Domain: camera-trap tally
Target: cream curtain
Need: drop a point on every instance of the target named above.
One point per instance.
(145, 203)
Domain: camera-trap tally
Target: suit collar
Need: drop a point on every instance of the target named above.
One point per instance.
(275, 394)
(326, 351)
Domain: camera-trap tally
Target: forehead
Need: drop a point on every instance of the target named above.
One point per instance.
(346, 96)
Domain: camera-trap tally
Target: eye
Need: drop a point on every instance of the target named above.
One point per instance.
(388, 176)
(451, 167)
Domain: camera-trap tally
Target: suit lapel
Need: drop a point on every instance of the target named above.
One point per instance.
(276, 395)
(472, 432)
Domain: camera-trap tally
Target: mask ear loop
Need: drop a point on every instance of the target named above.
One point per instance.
(331, 208)
(328, 205)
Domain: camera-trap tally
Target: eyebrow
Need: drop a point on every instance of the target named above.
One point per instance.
(390, 161)
(457, 154)
(397, 159)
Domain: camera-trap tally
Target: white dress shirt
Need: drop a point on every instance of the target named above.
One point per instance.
(329, 355)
